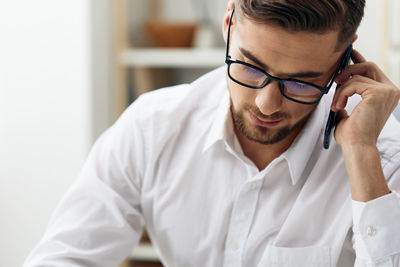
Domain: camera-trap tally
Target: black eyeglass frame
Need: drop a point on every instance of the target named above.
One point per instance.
(324, 90)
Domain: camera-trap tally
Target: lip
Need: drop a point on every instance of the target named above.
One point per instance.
(262, 123)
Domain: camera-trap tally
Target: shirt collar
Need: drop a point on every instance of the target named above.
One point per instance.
(219, 129)
(299, 153)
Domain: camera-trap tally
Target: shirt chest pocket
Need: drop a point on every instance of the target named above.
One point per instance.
(295, 257)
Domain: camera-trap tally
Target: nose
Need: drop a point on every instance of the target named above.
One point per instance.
(269, 99)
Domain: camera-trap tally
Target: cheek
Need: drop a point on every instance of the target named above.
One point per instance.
(240, 95)
(298, 111)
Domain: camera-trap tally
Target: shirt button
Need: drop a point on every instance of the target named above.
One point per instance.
(233, 245)
(252, 185)
(371, 231)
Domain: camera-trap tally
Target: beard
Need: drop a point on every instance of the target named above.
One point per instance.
(264, 135)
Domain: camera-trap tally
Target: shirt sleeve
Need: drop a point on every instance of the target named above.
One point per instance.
(99, 221)
(376, 228)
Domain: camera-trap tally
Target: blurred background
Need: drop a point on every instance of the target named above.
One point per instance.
(69, 68)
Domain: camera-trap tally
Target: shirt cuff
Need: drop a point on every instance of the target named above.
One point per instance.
(376, 227)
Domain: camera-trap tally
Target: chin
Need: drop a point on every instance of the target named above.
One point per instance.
(265, 136)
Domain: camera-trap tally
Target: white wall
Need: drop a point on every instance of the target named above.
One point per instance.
(45, 114)
(101, 65)
(371, 34)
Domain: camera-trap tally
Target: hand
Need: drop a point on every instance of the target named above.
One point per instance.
(379, 98)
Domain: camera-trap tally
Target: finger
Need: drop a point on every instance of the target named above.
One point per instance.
(356, 57)
(367, 69)
(340, 117)
(356, 85)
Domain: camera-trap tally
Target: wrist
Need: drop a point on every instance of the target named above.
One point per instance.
(356, 144)
(364, 169)
(355, 150)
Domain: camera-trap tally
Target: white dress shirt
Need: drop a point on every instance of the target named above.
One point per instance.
(173, 163)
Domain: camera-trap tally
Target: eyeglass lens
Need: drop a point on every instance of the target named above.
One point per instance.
(256, 78)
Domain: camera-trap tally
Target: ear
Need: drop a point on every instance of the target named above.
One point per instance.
(225, 21)
(355, 37)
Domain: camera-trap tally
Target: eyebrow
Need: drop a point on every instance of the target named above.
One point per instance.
(306, 74)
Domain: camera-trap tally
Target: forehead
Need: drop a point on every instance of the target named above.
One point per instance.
(286, 51)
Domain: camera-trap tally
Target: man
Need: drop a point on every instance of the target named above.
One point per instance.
(231, 170)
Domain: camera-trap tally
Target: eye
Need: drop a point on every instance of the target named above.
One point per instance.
(253, 72)
(299, 85)
(298, 88)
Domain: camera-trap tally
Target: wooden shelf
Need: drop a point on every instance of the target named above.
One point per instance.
(173, 57)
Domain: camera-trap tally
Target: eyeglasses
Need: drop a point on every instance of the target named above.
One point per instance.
(298, 91)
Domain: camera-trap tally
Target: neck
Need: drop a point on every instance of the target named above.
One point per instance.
(262, 155)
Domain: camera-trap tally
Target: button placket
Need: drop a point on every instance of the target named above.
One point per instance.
(371, 231)
(241, 219)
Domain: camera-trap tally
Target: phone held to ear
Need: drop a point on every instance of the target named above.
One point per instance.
(330, 124)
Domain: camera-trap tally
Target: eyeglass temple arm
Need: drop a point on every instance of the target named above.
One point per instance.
(228, 35)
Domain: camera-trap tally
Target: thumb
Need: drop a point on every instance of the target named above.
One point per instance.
(341, 116)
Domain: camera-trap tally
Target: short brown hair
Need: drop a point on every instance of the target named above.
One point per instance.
(318, 16)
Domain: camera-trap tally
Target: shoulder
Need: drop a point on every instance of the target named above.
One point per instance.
(167, 115)
(174, 104)
(163, 117)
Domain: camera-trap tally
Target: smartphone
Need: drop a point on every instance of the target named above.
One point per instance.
(330, 124)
